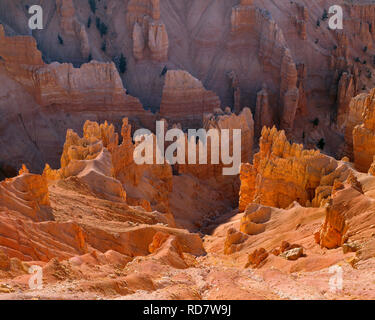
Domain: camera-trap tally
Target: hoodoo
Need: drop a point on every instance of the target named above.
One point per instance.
(187, 150)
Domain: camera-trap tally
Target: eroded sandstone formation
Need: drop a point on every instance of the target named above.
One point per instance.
(339, 219)
(71, 28)
(185, 100)
(150, 37)
(289, 93)
(354, 117)
(282, 173)
(102, 226)
(27, 194)
(212, 173)
(273, 51)
(89, 159)
(51, 93)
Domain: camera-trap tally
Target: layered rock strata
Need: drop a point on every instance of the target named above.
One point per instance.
(185, 100)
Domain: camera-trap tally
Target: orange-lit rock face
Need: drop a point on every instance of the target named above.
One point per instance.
(94, 83)
(27, 194)
(185, 100)
(254, 218)
(282, 173)
(340, 213)
(21, 56)
(89, 160)
(234, 241)
(157, 241)
(257, 258)
(109, 170)
(27, 229)
(149, 182)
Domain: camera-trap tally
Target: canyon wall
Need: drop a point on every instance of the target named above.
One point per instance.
(48, 94)
(185, 100)
(259, 44)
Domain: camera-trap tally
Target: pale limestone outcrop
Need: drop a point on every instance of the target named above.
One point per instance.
(150, 37)
(71, 27)
(185, 100)
(94, 84)
(139, 8)
(138, 41)
(158, 41)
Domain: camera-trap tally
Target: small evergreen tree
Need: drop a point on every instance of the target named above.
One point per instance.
(89, 23)
(122, 64)
(325, 15)
(92, 4)
(61, 41)
(104, 46)
(315, 122)
(103, 29)
(321, 144)
(164, 71)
